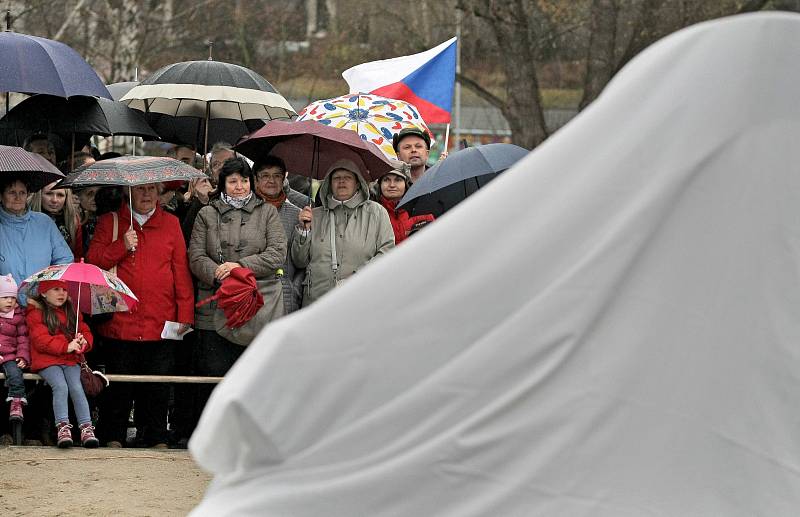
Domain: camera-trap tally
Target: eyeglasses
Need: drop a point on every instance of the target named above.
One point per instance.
(273, 177)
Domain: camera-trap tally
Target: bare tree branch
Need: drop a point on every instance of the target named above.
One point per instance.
(69, 19)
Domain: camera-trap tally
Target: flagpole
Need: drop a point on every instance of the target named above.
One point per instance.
(457, 129)
(446, 137)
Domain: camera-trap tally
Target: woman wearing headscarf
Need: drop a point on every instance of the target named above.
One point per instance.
(58, 204)
(336, 239)
(236, 229)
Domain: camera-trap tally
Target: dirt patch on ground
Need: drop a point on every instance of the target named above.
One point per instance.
(49, 481)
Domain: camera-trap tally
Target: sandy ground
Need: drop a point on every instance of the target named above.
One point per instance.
(49, 481)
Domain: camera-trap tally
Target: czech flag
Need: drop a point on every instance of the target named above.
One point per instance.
(426, 80)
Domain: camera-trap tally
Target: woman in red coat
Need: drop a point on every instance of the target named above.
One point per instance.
(391, 188)
(150, 258)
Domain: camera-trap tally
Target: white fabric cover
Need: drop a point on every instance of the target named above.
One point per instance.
(610, 328)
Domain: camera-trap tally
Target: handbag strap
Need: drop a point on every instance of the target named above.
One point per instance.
(114, 236)
(334, 257)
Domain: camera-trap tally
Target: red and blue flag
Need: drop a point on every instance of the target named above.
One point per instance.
(426, 80)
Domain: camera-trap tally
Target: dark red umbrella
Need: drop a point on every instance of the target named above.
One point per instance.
(238, 297)
(310, 148)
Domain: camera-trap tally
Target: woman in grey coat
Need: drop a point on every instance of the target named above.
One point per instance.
(236, 229)
(348, 226)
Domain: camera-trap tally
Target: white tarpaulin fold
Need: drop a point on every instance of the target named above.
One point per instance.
(612, 327)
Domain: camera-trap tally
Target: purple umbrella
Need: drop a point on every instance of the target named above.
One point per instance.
(310, 148)
(29, 64)
(30, 167)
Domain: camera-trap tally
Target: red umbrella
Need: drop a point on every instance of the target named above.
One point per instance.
(238, 297)
(310, 148)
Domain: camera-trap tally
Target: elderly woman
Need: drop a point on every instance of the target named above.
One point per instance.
(29, 241)
(58, 204)
(236, 229)
(150, 257)
(348, 222)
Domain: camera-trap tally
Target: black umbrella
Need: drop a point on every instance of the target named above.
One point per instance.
(61, 142)
(35, 170)
(197, 95)
(458, 176)
(90, 115)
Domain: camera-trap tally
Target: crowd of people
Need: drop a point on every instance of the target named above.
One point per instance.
(174, 245)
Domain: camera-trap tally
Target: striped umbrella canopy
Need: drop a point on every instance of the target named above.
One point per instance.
(184, 101)
(16, 162)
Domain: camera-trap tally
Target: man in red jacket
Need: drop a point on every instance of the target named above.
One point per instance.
(150, 257)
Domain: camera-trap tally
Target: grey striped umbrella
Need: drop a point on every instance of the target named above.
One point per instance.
(17, 163)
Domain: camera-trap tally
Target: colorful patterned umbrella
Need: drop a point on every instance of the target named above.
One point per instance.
(375, 119)
(92, 290)
(130, 171)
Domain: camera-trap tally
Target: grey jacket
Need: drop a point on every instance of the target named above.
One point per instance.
(292, 278)
(253, 236)
(363, 231)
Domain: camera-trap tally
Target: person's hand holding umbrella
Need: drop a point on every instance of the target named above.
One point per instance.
(131, 240)
(223, 271)
(305, 217)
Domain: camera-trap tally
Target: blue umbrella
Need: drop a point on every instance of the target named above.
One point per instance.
(456, 177)
(29, 64)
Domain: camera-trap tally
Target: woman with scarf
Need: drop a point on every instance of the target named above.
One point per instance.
(236, 229)
(390, 189)
(58, 204)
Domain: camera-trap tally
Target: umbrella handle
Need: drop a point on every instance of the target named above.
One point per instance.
(78, 308)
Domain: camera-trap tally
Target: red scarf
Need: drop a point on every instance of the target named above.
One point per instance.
(278, 201)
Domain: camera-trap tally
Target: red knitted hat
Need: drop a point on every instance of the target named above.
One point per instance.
(46, 285)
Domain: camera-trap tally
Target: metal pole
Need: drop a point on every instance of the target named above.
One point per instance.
(457, 128)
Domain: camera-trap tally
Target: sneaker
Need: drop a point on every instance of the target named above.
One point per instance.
(88, 439)
(64, 439)
(15, 412)
(6, 440)
(159, 446)
(113, 444)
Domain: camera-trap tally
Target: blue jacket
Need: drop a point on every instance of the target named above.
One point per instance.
(29, 243)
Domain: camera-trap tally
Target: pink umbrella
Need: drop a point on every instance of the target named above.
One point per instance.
(92, 289)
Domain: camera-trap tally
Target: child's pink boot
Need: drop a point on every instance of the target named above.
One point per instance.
(64, 439)
(15, 412)
(88, 439)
